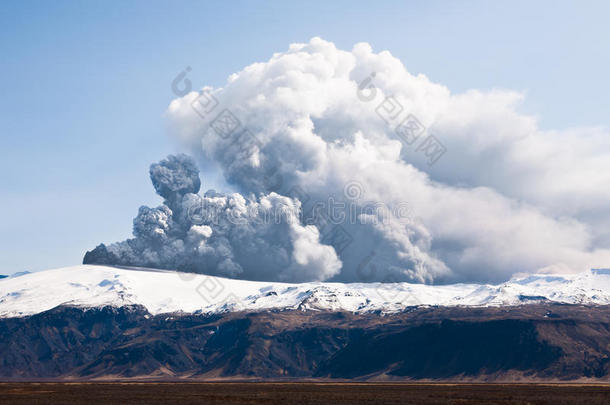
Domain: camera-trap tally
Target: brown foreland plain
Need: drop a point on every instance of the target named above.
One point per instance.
(302, 393)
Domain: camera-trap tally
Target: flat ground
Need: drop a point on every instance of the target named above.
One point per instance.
(301, 393)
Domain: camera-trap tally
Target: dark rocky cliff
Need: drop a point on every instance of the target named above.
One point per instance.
(536, 342)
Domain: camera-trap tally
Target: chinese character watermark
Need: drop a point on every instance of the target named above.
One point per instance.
(408, 129)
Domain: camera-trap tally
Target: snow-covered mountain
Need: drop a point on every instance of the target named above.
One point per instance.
(168, 291)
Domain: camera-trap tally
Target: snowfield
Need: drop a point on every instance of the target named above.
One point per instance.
(163, 291)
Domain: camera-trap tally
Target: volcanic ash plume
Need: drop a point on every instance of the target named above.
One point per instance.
(370, 173)
(488, 192)
(221, 234)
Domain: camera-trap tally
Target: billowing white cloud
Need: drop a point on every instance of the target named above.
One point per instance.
(505, 197)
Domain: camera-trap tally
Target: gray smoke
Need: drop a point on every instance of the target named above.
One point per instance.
(491, 194)
(488, 193)
(259, 238)
(175, 176)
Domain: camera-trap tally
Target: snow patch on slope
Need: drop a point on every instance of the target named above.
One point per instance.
(169, 291)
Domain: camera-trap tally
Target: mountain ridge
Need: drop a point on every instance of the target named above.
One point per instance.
(165, 291)
(509, 344)
(105, 323)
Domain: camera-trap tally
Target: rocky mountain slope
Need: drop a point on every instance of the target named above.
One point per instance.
(95, 322)
(525, 343)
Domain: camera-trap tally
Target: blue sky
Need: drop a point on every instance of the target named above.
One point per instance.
(84, 87)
